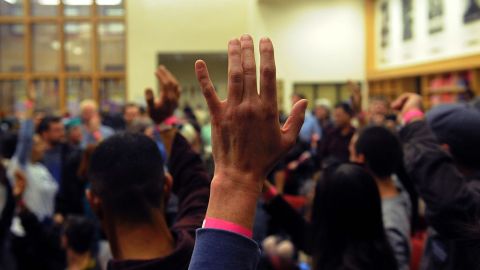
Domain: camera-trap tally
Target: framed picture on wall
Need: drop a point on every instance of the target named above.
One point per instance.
(435, 16)
(472, 12)
(385, 24)
(408, 19)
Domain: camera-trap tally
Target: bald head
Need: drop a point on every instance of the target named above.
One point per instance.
(88, 110)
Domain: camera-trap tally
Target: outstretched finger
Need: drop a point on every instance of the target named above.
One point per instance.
(249, 67)
(294, 123)
(235, 72)
(206, 84)
(268, 81)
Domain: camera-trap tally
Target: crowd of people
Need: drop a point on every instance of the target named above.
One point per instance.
(341, 186)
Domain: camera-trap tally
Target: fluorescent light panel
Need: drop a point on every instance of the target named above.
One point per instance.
(75, 2)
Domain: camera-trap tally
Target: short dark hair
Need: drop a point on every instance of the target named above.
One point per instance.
(80, 233)
(129, 105)
(382, 150)
(126, 172)
(346, 108)
(46, 122)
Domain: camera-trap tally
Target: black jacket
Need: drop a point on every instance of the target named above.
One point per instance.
(452, 200)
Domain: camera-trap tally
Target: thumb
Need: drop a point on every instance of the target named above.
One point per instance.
(294, 123)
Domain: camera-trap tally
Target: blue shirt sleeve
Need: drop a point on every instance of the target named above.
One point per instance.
(218, 249)
(25, 142)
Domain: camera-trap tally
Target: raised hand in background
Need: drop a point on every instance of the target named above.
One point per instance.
(162, 108)
(247, 138)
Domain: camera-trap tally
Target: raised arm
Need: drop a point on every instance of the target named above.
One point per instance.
(27, 130)
(190, 178)
(247, 141)
(452, 204)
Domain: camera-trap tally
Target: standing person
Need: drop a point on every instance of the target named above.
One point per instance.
(381, 152)
(311, 129)
(130, 189)
(445, 169)
(131, 114)
(334, 148)
(322, 112)
(92, 129)
(41, 186)
(58, 153)
(74, 133)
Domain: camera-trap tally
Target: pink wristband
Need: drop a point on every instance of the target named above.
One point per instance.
(219, 224)
(411, 114)
(270, 193)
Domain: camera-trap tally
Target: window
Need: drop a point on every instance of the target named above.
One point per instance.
(67, 50)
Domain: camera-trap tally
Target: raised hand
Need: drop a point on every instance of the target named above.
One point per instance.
(247, 138)
(161, 109)
(407, 102)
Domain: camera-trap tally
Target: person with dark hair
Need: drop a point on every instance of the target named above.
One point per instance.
(382, 163)
(61, 160)
(79, 240)
(130, 188)
(348, 231)
(444, 166)
(131, 114)
(334, 147)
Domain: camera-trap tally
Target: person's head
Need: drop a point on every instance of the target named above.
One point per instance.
(322, 109)
(378, 149)
(128, 183)
(88, 110)
(343, 114)
(347, 222)
(79, 235)
(51, 130)
(457, 129)
(75, 135)
(297, 97)
(38, 148)
(131, 112)
(379, 105)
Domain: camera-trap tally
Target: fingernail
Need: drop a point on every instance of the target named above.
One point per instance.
(246, 37)
(265, 39)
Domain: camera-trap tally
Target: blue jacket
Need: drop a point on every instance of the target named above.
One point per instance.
(218, 249)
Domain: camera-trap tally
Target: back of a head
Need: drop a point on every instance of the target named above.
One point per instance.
(80, 234)
(382, 150)
(347, 222)
(458, 126)
(126, 172)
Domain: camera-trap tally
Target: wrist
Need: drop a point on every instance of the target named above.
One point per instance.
(233, 198)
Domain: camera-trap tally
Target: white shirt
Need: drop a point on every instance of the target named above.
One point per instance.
(40, 190)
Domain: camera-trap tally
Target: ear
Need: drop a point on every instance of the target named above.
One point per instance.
(95, 203)
(167, 187)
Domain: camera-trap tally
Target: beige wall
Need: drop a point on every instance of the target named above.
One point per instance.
(155, 26)
(321, 40)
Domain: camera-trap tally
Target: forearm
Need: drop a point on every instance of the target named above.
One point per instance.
(25, 141)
